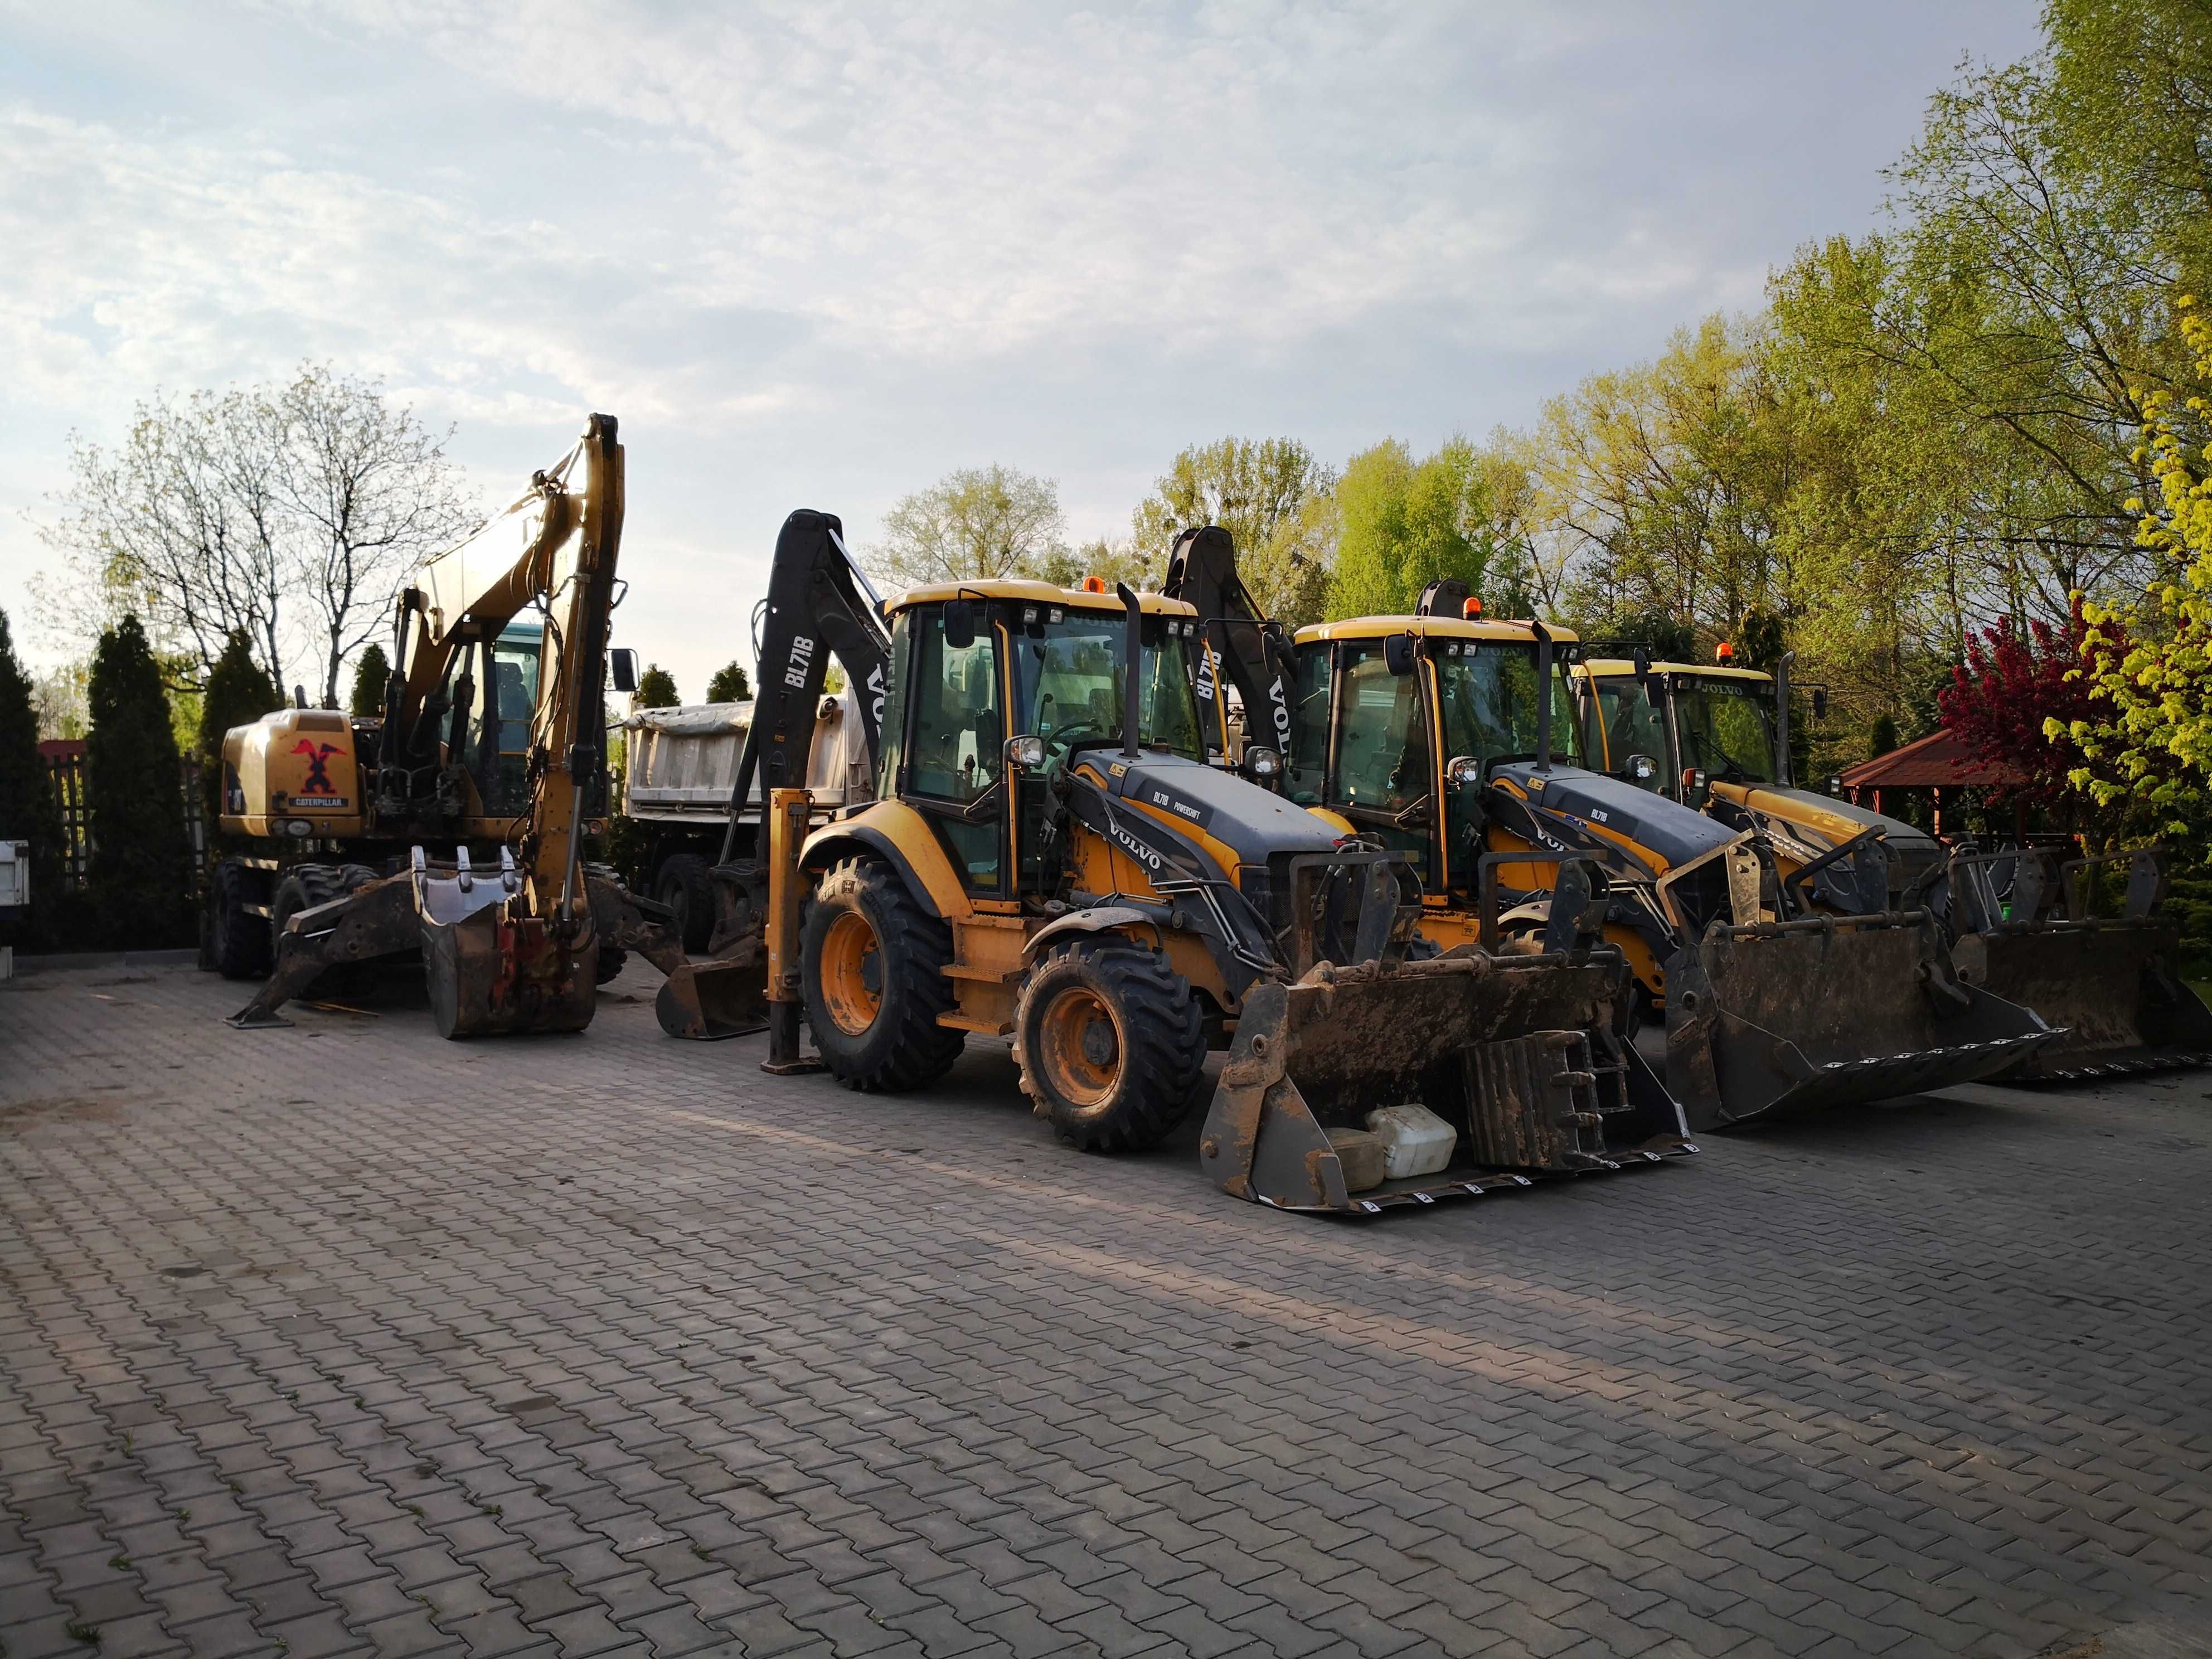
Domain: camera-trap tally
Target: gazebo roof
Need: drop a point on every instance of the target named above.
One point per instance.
(1939, 760)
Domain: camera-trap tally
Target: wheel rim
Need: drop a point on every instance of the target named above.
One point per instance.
(1079, 1046)
(852, 972)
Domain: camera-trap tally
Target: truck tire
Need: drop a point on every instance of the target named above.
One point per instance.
(872, 970)
(1111, 1045)
(241, 940)
(686, 885)
(611, 961)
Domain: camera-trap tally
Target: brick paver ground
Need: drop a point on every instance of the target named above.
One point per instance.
(343, 1340)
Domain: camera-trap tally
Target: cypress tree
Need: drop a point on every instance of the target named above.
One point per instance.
(141, 866)
(28, 810)
(239, 692)
(731, 683)
(371, 675)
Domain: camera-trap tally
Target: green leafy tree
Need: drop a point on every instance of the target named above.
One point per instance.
(731, 683)
(656, 689)
(371, 677)
(239, 692)
(1250, 487)
(28, 812)
(141, 866)
(1883, 738)
(975, 524)
(1402, 524)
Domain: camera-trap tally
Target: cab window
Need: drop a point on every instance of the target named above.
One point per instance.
(1382, 758)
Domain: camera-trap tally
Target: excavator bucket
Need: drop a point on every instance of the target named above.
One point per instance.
(2110, 983)
(721, 997)
(1517, 1053)
(1779, 1017)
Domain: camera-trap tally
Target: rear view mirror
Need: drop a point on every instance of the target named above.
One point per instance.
(1463, 772)
(1819, 702)
(959, 624)
(622, 669)
(1643, 664)
(1398, 654)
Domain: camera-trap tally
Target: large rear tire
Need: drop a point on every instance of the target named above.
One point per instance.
(685, 884)
(872, 970)
(241, 940)
(1111, 1045)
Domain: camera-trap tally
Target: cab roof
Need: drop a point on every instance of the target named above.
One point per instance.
(1022, 591)
(1605, 667)
(1431, 628)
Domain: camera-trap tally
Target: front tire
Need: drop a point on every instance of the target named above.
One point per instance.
(1111, 1046)
(685, 883)
(872, 970)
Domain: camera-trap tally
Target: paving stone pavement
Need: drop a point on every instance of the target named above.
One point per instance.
(344, 1339)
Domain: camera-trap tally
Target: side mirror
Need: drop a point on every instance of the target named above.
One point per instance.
(959, 624)
(1025, 754)
(1819, 702)
(1398, 654)
(1640, 768)
(622, 669)
(1643, 664)
(1463, 772)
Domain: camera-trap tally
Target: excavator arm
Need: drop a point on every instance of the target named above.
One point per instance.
(1241, 642)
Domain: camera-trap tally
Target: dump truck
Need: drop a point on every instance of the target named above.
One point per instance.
(682, 763)
(1049, 857)
(453, 824)
(2022, 923)
(1435, 733)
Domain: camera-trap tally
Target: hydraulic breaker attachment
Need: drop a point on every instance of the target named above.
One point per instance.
(2028, 933)
(1773, 1017)
(1518, 1054)
(378, 920)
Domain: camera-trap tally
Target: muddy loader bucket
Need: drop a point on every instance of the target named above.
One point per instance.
(2110, 986)
(721, 997)
(1518, 1055)
(1802, 1014)
(491, 972)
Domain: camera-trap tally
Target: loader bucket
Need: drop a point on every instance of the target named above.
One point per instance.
(1802, 1014)
(2109, 985)
(1518, 1055)
(493, 973)
(721, 997)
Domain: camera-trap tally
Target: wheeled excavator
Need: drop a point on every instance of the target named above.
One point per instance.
(2020, 923)
(489, 750)
(1451, 737)
(1049, 857)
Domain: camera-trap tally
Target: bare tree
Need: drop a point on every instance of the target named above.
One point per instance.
(973, 525)
(290, 512)
(370, 494)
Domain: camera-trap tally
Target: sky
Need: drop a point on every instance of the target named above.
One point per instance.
(818, 255)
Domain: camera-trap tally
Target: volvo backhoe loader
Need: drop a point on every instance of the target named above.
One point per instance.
(489, 750)
(1435, 733)
(1050, 858)
(2022, 924)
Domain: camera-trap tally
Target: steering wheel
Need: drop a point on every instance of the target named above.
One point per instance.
(1067, 734)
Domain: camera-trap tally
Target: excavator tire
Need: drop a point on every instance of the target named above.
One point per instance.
(241, 941)
(872, 970)
(686, 885)
(1111, 1045)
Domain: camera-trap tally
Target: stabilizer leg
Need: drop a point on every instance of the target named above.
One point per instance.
(375, 920)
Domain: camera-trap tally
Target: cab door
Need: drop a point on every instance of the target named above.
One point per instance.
(1384, 775)
(955, 745)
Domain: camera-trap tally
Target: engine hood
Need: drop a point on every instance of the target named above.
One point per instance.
(1612, 809)
(1254, 823)
(1829, 822)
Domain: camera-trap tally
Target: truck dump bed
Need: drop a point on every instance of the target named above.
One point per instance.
(684, 762)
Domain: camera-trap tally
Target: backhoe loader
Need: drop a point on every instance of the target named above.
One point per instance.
(1049, 857)
(2022, 924)
(1436, 732)
(489, 744)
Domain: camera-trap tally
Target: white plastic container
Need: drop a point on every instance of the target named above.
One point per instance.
(1415, 1140)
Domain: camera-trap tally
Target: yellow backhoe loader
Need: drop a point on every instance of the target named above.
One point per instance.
(1435, 733)
(1049, 857)
(2021, 923)
(490, 743)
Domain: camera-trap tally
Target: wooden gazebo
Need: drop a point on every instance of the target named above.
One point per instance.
(1930, 766)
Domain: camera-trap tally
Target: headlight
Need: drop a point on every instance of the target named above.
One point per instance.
(1261, 762)
(1025, 754)
(1643, 769)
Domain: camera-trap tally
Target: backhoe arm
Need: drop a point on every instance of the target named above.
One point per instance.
(1241, 641)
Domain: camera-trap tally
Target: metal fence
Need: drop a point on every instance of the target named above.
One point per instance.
(66, 768)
